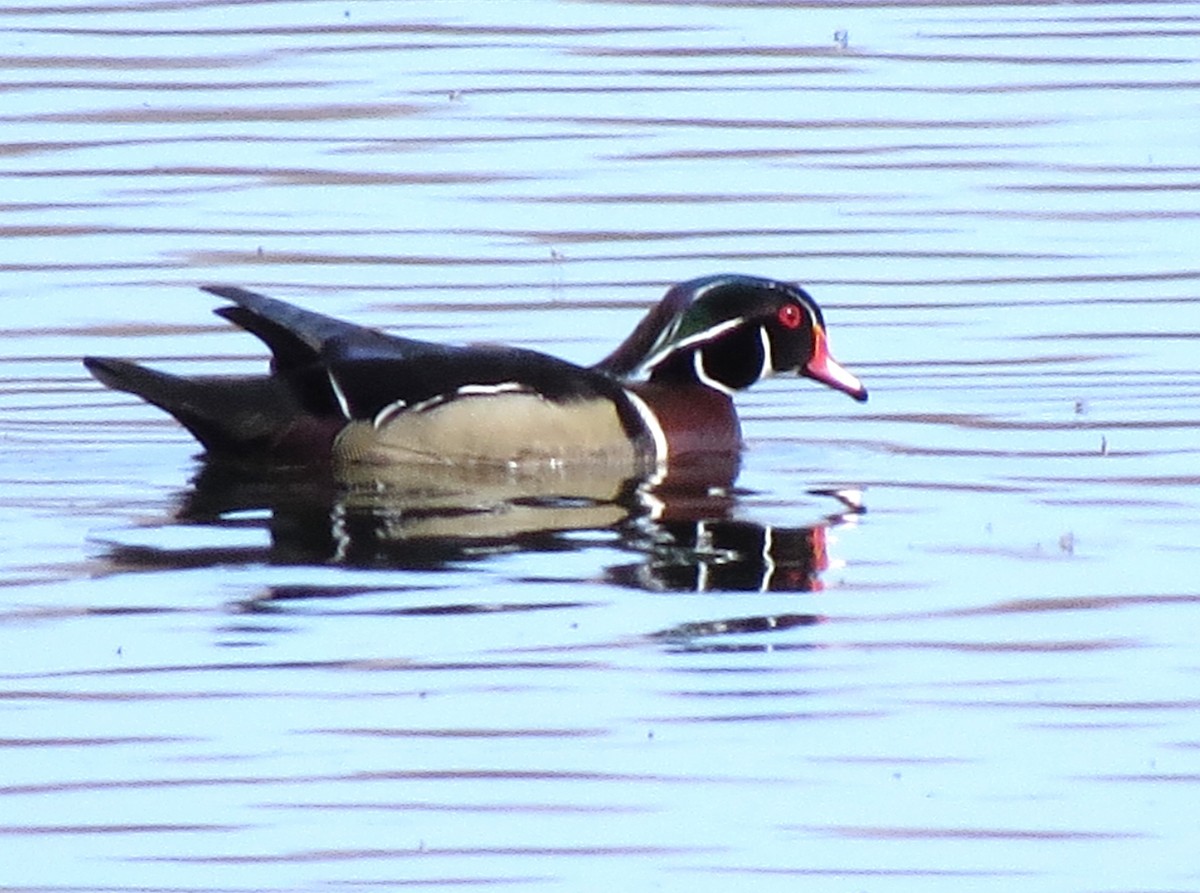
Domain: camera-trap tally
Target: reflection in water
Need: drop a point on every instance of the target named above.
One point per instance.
(709, 554)
(423, 518)
(994, 199)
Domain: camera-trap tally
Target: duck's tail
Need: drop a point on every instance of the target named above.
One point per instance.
(242, 417)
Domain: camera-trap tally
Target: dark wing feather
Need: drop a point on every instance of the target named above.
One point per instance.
(295, 336)
(311, 351)
(413, 372)
(373, 370)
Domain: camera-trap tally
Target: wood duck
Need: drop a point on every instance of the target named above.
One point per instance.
(353, 395)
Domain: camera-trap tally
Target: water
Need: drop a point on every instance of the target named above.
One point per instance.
(986, 678)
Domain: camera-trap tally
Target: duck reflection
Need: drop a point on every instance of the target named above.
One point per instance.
(684, 532)
(724, 554)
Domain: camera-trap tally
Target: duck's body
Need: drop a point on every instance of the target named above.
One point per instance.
(350, 394)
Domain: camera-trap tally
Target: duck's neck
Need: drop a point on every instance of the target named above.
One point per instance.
(635, 349)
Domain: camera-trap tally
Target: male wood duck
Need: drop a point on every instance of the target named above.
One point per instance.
(354, 395)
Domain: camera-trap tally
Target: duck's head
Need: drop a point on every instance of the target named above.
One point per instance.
(729, 331)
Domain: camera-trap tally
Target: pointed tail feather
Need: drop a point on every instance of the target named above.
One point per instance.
(237, 416)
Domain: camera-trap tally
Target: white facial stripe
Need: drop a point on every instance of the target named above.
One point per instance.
(657, 435)
(700, 337)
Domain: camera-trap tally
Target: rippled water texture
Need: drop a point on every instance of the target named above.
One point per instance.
(979, 676)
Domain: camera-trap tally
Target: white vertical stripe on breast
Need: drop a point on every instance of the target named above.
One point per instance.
(650, 420)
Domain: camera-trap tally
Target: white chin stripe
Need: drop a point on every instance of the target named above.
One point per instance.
(768, 368)
(705, 378)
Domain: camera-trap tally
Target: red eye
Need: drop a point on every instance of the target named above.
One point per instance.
(789, 316)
